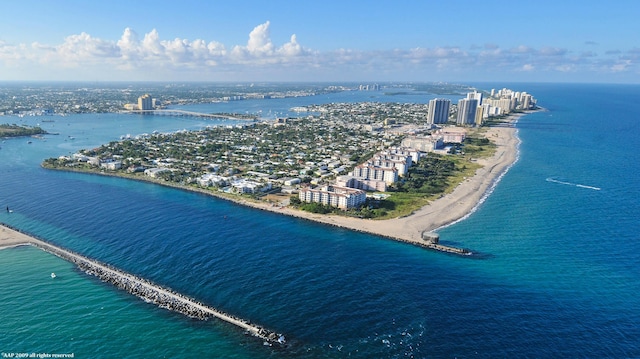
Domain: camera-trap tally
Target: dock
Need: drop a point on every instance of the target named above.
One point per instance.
(140, 287)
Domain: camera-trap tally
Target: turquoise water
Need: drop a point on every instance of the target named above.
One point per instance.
(558, 276)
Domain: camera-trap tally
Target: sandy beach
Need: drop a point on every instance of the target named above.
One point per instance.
(441, 212)
(11, 238)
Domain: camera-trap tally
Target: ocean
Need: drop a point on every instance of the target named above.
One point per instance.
(558, 275)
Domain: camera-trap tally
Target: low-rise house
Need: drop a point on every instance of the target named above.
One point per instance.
(155, 172)
(248, 186)
(211, 179)
(452, 134)
(111, 165)
(291, 181)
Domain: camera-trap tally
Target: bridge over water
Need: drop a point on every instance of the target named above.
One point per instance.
(175, 112)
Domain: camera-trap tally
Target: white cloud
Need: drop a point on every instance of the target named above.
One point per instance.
(528, 67)
(621, 66)
(129, 44)
(259, 40)
(522, 50)
(291, 48)
(565, 68)
(151, 45)
(83, 49)
(552, 51)
(132, 54)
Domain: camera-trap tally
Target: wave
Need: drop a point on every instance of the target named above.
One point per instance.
(551, 179)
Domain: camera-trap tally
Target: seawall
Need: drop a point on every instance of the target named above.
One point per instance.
(151, 292)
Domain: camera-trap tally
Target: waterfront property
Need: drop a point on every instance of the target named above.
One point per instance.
(335, 196)
(373, 144)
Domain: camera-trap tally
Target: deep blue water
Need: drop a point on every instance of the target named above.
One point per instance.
(559, 278)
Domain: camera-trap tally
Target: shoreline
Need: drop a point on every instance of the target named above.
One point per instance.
(451, 208)
(447, 210)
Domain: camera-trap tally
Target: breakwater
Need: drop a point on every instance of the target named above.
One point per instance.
(151, 292)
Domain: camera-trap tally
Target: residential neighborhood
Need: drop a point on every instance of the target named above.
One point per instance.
(334, 155)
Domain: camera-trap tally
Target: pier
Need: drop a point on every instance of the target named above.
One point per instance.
(142, 288)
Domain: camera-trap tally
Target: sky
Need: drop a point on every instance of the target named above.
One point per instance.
(329, 40)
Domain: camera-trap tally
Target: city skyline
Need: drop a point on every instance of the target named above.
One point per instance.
(291, 41)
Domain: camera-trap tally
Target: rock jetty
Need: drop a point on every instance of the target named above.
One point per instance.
(153, 293)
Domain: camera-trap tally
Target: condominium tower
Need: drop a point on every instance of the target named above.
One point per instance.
(438, 110)
(145, 102)
(467, 111)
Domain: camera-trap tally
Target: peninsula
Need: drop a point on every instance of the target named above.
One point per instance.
(380, 168)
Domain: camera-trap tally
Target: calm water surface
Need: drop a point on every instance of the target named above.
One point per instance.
(559, 234)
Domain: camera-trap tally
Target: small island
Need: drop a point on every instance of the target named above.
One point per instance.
(7, 130)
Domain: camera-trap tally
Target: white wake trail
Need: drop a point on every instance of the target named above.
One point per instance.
(550, 179)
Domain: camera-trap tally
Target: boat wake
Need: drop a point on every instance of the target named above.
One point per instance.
(550, 179)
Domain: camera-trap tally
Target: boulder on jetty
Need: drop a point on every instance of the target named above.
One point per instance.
(431, 237)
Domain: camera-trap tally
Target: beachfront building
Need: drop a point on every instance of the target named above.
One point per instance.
(508, 100)
(111, 164)
(475, 95)
(452, 134)
(479, 116)
(212, 179)
(423, 143)
(155, 172)
(390, 158)
(368, 171)
(490, 111)
(409, 151)
(334, 196)
(361, 183)
(499, 107)
(249, 186)
(438, 111)
(467, 111)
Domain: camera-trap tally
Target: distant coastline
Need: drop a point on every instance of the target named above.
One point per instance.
(449, 209)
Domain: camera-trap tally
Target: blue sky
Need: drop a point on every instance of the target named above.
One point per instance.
(277, 40)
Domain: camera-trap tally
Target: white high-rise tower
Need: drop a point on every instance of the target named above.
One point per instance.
(467, 111)
(438, 110)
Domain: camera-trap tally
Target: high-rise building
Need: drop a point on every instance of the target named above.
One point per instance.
(438, 110)
(475, 95)
(145, 102)
(467, 111)
(479, 116)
